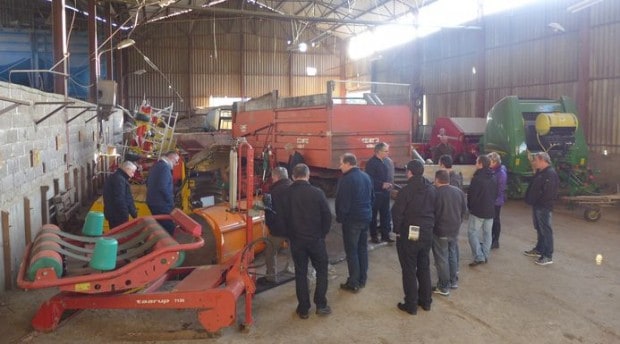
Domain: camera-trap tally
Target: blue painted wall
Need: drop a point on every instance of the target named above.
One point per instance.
(27, 49)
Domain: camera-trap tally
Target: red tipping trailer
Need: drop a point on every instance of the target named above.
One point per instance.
(322, 127)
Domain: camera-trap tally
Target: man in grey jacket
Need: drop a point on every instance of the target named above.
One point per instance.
(450, 208)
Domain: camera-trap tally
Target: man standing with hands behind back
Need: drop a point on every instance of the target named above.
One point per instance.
(354, 209)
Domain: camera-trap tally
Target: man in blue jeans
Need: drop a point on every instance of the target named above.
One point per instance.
(450, 208)
(354, 198)
(540, 194)
(481, 197)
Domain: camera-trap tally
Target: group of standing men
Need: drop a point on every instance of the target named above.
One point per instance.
(118, 201)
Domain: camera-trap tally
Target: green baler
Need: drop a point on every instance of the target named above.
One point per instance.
(516, 128)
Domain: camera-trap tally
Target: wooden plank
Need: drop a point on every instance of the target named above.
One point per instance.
(44, 208)
(6, 245)
(27, 221)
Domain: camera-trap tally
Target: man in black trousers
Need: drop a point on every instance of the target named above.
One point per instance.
(308, 219)
(414, 212)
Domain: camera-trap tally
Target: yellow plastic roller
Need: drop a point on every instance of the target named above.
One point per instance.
(547, 121)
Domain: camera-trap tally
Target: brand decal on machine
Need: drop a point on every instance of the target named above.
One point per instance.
(302, 142)
(370, 142)
(243, 128)
(159, 301)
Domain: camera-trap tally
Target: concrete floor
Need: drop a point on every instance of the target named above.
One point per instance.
(508, 300)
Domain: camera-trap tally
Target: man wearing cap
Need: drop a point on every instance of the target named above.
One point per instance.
(118, 202)
(414, 211)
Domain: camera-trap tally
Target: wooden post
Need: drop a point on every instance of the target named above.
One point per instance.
(56, 186)
(45, 212)
(27, 221)
(76, 184)
(6, 243)
(83, 184)
(67, 180)
(89, 180)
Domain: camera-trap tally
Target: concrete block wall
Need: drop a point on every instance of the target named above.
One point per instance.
(35, 155)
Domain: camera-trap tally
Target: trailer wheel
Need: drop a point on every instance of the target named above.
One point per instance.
(592, 214)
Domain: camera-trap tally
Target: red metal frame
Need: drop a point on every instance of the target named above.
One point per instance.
(135, 274)
(213, 290)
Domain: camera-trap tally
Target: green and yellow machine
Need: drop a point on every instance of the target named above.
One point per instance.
(517, 128)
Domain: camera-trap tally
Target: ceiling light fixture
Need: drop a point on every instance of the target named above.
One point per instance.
(556, 27)
(303, 47)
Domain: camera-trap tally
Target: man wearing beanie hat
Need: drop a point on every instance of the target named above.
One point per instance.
(415, 206)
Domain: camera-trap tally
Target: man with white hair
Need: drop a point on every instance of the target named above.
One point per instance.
(118, 201)
(541, 192)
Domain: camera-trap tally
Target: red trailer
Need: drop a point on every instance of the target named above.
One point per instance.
(322, 127)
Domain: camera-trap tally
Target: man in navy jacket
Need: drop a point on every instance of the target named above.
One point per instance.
(160, 189)
(354, 198)
(118, 202)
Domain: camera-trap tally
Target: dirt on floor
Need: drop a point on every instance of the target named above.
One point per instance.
(508, 300)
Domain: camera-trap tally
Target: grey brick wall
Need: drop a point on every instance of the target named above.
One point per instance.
(34, 155)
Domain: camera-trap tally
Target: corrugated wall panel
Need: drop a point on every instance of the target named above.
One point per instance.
(603, 131)
(605, 51)
(258, 85)
(561, 62)
(205, 62)
(217, 85)
(259, 63)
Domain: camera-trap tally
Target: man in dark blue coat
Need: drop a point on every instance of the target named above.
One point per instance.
(413, 208)
(160, 189)
(308, 221)
(354, 198)
(118, 202)
(481, 197)
(378, 172)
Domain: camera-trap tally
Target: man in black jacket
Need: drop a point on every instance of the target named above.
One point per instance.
(353, 209)
(481, 197)
(118, 201)
(415, 208)
(274, 218)
(378, 172)
(308, 221)
(450, 209)
(540, 194)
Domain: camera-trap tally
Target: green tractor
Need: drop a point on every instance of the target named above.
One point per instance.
(516, 128)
